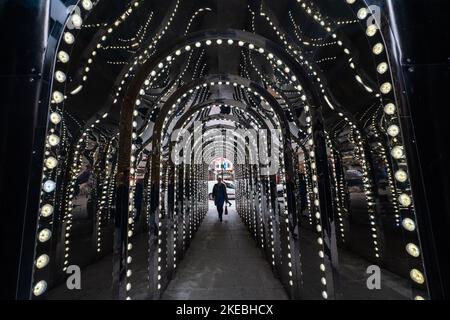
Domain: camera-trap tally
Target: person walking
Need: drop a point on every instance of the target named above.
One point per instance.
(219, 194)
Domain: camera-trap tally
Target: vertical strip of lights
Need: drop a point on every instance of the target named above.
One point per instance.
(382, 153)
(184, 201)
(285, 214)
(398, 157)
(104, 183)
(336, 188)
(69, 205)
(51, 160)
(271, 213)
(176, 209)
(316, 203)
(254, 210)
(309, 189)
(259, 193)
(131, 207)
(367, 187)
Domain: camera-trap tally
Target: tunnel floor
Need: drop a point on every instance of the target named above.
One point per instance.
(223, 262)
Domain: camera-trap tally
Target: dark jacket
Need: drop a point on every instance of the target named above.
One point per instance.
(219, 194)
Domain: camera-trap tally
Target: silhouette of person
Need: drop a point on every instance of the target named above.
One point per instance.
(219, 194)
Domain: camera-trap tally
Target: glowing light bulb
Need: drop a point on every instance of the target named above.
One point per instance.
(389, 109)
(69, 38)
(386, 88)
(55, 117)
(42, 261)
(76, 20)
(404, 200)
(53, 140)
(393, 130)
(46, 210)
(86, 4)
(60, 76)
(44, 235)
(371, 30)
(362, 13)
(401, 175)
(382, 68)
(51, 162)
(58, 97)
(378, 48)
(49, 186)
(397, 152)
(413, 250)
(39, 288)
(408, 224)
(63, 56)
(417, 276)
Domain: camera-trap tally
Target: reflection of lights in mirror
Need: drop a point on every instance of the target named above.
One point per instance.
(144, 97)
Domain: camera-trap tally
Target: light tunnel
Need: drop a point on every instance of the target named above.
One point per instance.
(306, 99)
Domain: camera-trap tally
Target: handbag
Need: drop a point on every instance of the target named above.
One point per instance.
(226, 208)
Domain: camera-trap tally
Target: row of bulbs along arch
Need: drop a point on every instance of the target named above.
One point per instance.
(252, 180)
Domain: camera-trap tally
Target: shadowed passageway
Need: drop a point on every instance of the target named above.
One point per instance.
(223, 262)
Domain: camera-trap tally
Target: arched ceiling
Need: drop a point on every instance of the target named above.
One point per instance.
(325, 37)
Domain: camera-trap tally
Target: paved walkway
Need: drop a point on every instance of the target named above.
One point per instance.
(223, 262)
